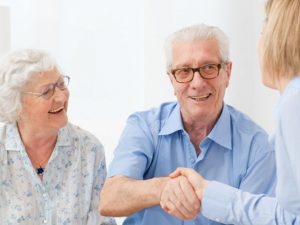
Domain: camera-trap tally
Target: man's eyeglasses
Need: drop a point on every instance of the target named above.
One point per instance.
(207, 71)
(49, 90)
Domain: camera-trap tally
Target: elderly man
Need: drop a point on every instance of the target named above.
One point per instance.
(198, 131)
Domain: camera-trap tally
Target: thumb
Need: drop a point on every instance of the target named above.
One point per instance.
(175, 173)
(195, 179)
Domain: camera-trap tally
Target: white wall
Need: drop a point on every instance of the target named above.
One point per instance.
(5, 29)
(113, 51)
(241, 21)
(98, 47)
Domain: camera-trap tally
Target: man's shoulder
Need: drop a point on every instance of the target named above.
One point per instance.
(154, 115)
(242, 122)
(151, 121)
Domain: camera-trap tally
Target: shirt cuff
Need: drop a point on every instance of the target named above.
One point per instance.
(217, 201)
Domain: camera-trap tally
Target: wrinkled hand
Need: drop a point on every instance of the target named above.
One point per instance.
(179, 199)
(195, 179)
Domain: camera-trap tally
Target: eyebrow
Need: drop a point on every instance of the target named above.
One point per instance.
(202, 64)
(46, 85)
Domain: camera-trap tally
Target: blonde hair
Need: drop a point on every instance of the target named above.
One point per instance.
(281, 41)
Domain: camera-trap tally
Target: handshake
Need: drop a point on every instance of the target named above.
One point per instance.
(182, 194)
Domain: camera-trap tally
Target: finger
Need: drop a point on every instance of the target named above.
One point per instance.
(165, 193)
(173, 211)
(197, 181)
(164, 206)
(194, 178)
(192, 202)
(175, 173)
(187, 172)
(181, 195)
(181, 203)
(177, 198)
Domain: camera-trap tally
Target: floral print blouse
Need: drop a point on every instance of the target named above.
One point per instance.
(68, 194)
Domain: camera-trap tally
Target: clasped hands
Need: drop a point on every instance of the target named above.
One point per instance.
(182, 194)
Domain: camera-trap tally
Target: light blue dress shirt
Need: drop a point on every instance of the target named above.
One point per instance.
(230, 205)
(69, 191)
(154, 143)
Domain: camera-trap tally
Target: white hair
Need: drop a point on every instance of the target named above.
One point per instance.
(16, 70)
(198, 32)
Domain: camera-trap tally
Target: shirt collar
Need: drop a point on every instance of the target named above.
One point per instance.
(222, 132)
(64, 137)
(173, 123)
(292, 86)
(13, 140)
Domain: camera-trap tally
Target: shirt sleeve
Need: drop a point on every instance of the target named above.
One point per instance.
(94, 217)
(289, 128)
(135, 150)
(261, 158)
(228, 205)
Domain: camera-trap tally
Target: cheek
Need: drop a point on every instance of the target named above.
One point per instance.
(179, 90)
(260, 58)
(176, 87)
(221, 92)
(267, 81)
(67, 93)
(30, 113)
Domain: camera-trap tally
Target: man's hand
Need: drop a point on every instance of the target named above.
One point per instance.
(195, 179)
(179, 199)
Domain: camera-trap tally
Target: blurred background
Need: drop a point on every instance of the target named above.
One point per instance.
(113, 52)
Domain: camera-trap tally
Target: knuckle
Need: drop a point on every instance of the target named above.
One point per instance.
(195, 203)
(180, 197)
(178, 204)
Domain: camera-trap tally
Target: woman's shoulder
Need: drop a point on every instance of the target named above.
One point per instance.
(2, 134)
(85, 139)
(7, 131)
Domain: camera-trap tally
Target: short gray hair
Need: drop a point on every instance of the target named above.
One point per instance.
(16, 70)
(198, 32)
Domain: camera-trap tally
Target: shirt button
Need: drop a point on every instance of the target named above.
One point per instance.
(45, 221)
(44, 195)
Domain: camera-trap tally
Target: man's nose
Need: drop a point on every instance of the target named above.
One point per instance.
(197, 78)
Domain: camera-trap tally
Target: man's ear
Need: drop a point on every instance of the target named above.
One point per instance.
(228, 71)
(170, 76)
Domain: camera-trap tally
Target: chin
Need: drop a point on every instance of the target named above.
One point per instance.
(200, 114)
(65, 122)
(62, 123)
(268, 83)
(267, 80)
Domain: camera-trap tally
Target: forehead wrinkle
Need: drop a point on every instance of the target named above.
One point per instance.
(43, 80)
(194, 54)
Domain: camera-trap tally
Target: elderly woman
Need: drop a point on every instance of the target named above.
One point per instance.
(279, 52)
(51, 172)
